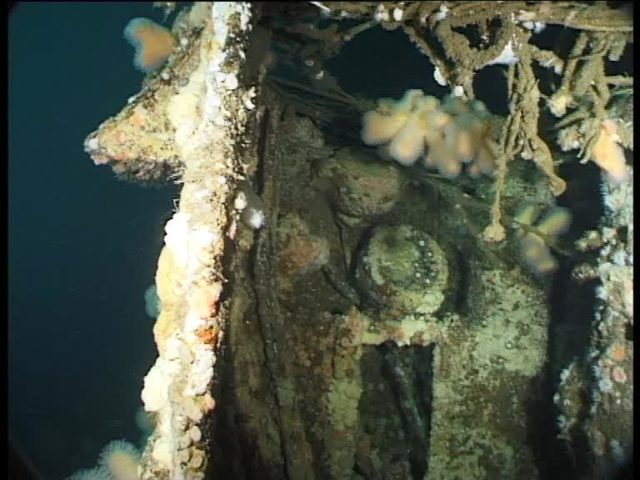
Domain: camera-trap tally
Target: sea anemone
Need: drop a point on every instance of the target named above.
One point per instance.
(153, 43)
(447, 136)
(408, 145)
(152, 301)
(533, 242)
(121, 459)
(97, 473)
(554, 222)
(536, 254)
(608, 154)
(378, 128)
(145, 421)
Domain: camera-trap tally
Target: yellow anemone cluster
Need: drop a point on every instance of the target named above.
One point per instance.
(533, 247)
(446, 135)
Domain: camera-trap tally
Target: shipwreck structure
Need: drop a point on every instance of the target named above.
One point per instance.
(329, 314)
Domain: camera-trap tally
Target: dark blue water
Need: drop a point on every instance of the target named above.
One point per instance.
(82, 245)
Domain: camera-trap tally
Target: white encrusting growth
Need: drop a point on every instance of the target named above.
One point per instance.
(208, 114)
(437, 76)
(506, 57)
